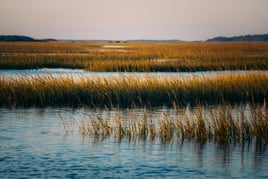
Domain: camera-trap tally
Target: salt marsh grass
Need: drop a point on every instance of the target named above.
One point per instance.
(132, 90)
(135, 57)
(223, 124)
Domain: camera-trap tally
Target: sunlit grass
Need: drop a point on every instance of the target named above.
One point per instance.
(132, 90)
(223, 124)
(142, 57)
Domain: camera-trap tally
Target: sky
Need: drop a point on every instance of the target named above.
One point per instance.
(133, 19)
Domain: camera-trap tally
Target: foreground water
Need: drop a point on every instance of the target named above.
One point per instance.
(35, 144)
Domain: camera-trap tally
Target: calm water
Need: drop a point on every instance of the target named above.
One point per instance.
(34, 144)
(57, 72)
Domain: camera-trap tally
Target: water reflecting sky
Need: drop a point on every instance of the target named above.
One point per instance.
(78, 73)
(35, 144)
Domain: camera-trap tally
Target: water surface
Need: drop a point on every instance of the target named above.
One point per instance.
(34, 144)
(59, 72)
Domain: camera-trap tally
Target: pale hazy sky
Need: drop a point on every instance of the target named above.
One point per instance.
(133, 19)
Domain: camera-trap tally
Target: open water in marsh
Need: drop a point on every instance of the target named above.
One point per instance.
(34, 144)
(59, 72)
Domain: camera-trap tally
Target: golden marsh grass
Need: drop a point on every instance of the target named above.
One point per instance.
(222, 124)
(132, 90)
(134, 57)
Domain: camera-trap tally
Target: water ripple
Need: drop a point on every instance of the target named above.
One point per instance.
(35, 145)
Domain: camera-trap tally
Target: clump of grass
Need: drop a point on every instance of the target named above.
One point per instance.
(260, 123)
(223, 124)
(105, 126)
(83, 127)
(143, 126)
(185, 127)
(119, 130)
(97, 127)
(152, 130)
(221, 121)
(200, 129)
(166, 128)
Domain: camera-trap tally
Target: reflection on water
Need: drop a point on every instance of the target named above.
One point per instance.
(114, 46)
(59, 72)
(34, 144)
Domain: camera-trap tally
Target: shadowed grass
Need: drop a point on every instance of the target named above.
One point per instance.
(128, 90)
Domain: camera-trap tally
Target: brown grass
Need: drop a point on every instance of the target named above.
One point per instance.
(135, 56)
(126, 91)
(224, 125)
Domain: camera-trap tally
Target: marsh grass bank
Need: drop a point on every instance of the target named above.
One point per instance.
(135, 57)
(132, 90)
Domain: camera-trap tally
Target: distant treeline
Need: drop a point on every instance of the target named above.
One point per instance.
(247, 38)
(22, 38)
(154, 41)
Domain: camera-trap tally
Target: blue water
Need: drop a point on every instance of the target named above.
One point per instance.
(34, 144)
(56, 72)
